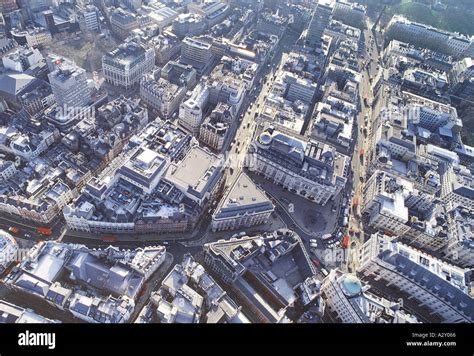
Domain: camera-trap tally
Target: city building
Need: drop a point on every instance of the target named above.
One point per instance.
(196, 53)
(384, 203)
(14, 314)
(90, 18)
(97, 286)
(458, 188)
(166, 46)
(213, 11)
(429, 297)
(123, 22)
(14, 85)
(320, 19)
(126, 65)
(271, 23)
(188, 294)
(179, 74)
(311, 169)
(69, 85)
(161, 95)
(22, 59)
(8, 251)
(257, 271)
(159, 182)
(244, 205)
(31, 36)
(352, 14)
(214, 129)
(350, 302)
(421, 35)
(191, 111)
(199, 175)
(7, 170)
(190, 24)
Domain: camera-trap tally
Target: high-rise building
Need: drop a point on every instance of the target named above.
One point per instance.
(319, 21)
(197, 53)
(90, 18)
(191, 111)
(69, 85)
(351, 14)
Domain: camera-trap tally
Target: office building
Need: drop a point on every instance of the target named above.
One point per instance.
(161, 95)
(322, 14)
(126, 65)
(350, 302)
(311, 169)
(69, 86)
(456, 45)
(244, 205)
(191, 111)
(197, 53)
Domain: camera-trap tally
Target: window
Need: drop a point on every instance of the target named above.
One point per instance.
(424, 261)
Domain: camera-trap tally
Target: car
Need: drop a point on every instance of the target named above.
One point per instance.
(27, 236)
(313, 240)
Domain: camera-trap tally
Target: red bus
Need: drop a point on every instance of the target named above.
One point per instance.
(46, 231)
(109, 238)
(345, 241)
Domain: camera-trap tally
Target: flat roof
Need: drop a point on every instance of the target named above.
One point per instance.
(193, 170)
(244, 194)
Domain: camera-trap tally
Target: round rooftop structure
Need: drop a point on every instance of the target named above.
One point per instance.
(351, 285)
(265, 138)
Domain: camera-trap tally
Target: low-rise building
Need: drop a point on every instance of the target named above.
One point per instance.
(244, 205)
(257, 271)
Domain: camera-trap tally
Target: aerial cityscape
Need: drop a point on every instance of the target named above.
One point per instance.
(234, 161)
